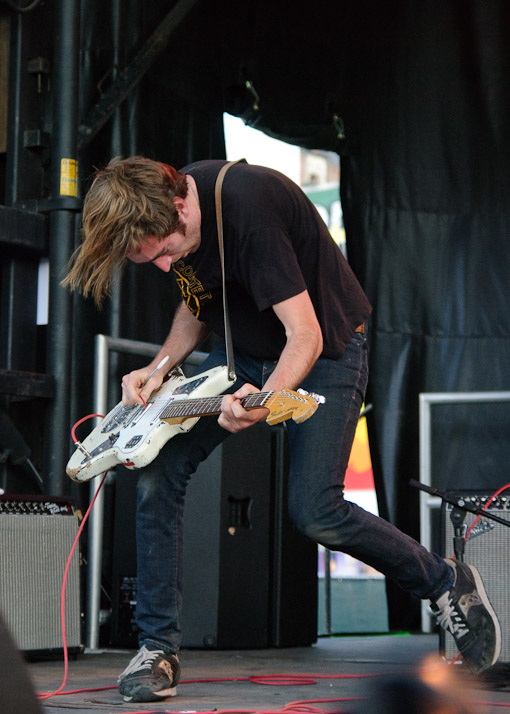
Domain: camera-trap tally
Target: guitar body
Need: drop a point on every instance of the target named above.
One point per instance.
(134, 435)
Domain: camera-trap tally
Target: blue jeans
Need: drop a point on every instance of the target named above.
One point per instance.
(319, 451)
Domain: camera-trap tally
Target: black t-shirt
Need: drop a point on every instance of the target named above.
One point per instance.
(276, 246)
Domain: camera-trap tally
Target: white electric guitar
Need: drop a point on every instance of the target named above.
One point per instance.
(133, 435)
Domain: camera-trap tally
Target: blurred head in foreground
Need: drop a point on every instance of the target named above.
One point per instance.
(435, 689)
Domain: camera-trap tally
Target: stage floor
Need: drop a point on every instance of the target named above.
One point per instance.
(335, 675)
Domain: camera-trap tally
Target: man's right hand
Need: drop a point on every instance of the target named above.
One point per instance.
(135, 387)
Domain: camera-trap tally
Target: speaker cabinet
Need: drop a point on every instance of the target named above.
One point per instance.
(487, 548)
(250, 579)
(36, 537)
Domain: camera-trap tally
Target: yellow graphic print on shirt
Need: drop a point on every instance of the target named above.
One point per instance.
(190, 286)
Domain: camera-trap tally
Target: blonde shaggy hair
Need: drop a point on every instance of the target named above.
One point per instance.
(129, 200)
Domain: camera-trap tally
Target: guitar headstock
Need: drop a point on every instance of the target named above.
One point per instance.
(287, 404)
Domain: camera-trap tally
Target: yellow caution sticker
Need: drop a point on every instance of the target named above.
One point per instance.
(68, 177)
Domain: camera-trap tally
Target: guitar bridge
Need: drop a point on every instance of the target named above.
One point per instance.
(104, 446)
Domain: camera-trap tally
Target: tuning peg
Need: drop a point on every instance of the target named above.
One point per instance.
(318, 397)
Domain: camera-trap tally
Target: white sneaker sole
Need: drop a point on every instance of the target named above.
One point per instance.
(150, 696)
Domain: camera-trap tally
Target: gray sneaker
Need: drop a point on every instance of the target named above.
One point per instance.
(466, 613)
(151, 675)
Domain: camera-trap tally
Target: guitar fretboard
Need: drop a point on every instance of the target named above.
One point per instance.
(208, 406)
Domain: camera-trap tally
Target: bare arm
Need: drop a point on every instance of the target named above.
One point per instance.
(304, 342)
(185, 334)
(301, 351)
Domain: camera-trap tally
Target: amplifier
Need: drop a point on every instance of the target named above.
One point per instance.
(488, 549)
(36, 537)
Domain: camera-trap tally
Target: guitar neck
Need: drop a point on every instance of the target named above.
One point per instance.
(209, 406)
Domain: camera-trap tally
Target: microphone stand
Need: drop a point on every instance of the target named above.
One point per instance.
(457, 517)
(458, 514)
(499, 673)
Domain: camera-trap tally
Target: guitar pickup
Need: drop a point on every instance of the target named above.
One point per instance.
(121, 417)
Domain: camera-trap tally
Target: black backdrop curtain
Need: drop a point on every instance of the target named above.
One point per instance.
(425, 194)
(162, 118)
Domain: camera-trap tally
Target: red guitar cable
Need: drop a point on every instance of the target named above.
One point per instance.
(66, 569)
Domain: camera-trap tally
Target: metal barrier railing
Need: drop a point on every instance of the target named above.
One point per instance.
(104, 345)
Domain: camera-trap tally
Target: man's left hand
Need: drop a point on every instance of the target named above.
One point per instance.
(234, 417)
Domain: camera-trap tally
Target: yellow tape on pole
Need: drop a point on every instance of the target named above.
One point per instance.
(68, 177)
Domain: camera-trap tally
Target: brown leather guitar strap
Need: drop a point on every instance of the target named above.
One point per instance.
(219, 221)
